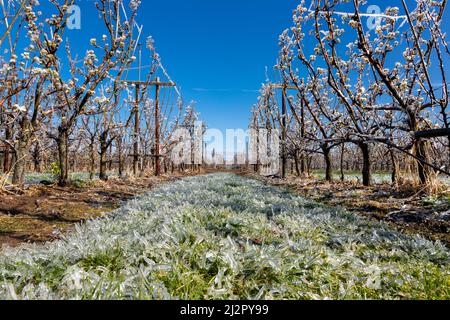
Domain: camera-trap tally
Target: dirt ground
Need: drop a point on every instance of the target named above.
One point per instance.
(407, 211)
(43, 213)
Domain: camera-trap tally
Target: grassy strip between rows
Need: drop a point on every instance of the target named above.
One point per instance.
(226, 237)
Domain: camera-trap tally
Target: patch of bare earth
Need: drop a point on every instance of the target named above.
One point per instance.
(44, 213)
(407, 211)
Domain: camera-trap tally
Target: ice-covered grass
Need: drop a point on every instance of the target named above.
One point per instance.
(377, 177)
(34, 178)
(226, 237)
(37, 178)
(353, 176)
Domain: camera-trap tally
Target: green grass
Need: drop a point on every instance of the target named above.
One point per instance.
(355, 176)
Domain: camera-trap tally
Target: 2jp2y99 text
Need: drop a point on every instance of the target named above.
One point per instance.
(229, 310)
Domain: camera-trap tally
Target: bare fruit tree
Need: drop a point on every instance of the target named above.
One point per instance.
(368, 86)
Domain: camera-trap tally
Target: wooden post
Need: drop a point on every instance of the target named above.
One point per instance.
(157, 155)
(139, 62)
(8, 136)
(158, 86)
(136, 133)
(303, 156)
(283, 122)
(283, 87)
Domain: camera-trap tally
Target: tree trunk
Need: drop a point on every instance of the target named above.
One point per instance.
(394, 166)
(302, 163)
(328, 166)
(342, 162)
(21, 149)
(92, 160)
(103, 156)
(308, 165)
(422, 155)
(448, 154)
(37, 157)
(73, 162)
(119, 150)
(110, 165)
(297, 169)
(365, 150)
(6, 158)
(63, 158)
(19, 166)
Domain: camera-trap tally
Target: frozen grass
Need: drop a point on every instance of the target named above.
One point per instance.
(225, 237)
(353, 176)
(37, 178)
(377, 177)
(34, 178)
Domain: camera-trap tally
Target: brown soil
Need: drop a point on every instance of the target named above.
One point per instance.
(44, 213)
(406, 210)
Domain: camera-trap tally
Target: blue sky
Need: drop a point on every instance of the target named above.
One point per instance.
(215, 50)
